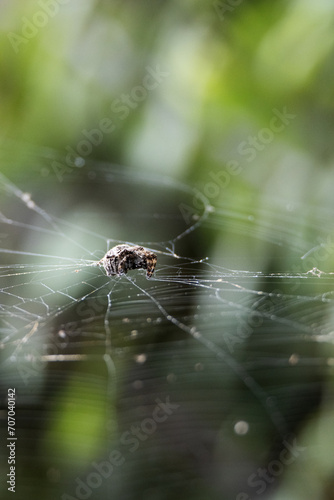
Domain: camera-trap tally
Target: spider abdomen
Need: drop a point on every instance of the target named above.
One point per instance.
(123, 258)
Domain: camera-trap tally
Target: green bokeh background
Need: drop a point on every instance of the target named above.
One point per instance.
(227, 69)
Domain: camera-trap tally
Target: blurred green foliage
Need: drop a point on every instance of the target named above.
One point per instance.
(185, 88)
(63, 65)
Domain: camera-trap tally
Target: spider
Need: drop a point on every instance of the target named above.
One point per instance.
(123, 258)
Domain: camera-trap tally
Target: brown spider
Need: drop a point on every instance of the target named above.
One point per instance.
(123, 258)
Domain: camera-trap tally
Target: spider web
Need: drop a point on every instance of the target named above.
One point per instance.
(235, 348)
